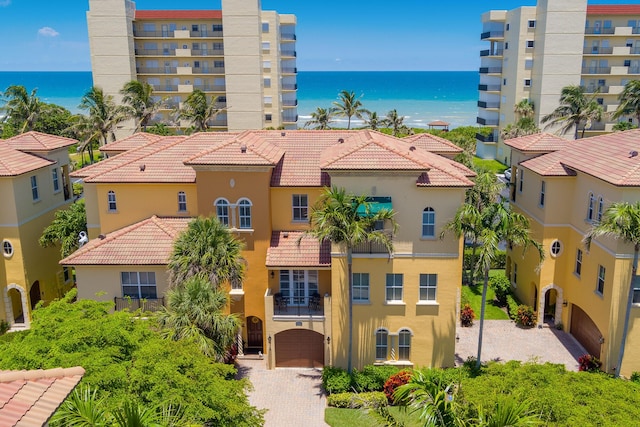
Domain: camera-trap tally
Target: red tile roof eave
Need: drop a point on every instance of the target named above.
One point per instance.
(614, 9)
(297, 266)
(29, 171)
(614, 183)
(159, 264)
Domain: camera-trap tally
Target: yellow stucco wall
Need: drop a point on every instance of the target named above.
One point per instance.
(282, 208)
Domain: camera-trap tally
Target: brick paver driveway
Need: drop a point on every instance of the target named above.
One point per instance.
(292, 396)
(502, 340)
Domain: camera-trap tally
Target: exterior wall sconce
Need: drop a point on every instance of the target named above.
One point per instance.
(328, 340)
(273, 274)
(269, 339)
(565, 303)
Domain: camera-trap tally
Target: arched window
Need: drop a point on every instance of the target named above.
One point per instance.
(428, 222)
(182, 201)
(600, 208)
(382, 344)
(591, 207)
(222, 211)
(111, 199)
(244, 213)
(404, 344)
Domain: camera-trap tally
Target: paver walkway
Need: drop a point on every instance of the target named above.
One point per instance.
(502, 340)
(292, 396)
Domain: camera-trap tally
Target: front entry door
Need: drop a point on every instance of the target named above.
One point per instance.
(254, 334)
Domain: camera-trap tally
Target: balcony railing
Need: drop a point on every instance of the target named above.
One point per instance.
(165, 88)
(217, 123)
(156, 52)
(133, 304)
(210, 88)
(634, 70)
(598, 30)
(635, 51)
(287, 36)
(597, 89)
(493, 88)
(486, 104)
(156, 70)
(289, 70)
(487, 122)
(635, 30)
(290, 118)
(298, 306)
(215, 70)
(486, 138)
(489, 52)
(597, 126)
(142, 33)
(490, 70)
(207, 52)
(597, 50)
(596, 70)
(289, 102)
(491, 34)
(289, 86)
(288, 53)
(205, 33)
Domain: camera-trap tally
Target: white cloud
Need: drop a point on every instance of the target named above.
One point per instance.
(5, 3)
(47, 32)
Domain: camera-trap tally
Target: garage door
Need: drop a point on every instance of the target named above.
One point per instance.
(585, 331)
(299, 348)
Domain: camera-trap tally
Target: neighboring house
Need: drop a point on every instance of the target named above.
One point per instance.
(564, 187)
(535, 51)
(263, 184)
(244, 56)
(34, 183)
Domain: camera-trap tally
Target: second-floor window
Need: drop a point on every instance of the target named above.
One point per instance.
(578, 269)
(591, 208)
(56, 180)
(600, 208)
(111, 201)
(222, 211)
(244, 213)
(360, 286)
(428, 222)
(394, 287)
(428, 285)
(300, 207)
(182, 201)
(234, 215)
(600, 283)
(543, 188)
(34, 188)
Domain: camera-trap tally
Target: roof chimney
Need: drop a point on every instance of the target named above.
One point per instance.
(283, 134)
(243, 148)
(142, 167)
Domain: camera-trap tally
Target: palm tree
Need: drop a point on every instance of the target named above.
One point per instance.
(199, 110)
(348, 220)
(629, 101)
(195, 311)
(104, 115)
(83, 408)
(395, 122)
(524, 109)
(372, 121)
(575, 108)
(21, 107)
(621, 221)
(320, 119)
(138, 96)
(349, 106)
(207, 248)
(525, 123)
(508, 412)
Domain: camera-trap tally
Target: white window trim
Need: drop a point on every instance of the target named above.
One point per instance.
(420, 287)
(180, 202)
(55, 178)
(386, 288)
(422, 224)
(551, 248)
(138, 284)
(363, 301)
(33, 180)
(115, 201)
(294, 207)
(10, 245)
(238, 205)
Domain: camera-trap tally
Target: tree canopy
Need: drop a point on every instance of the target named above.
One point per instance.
(65, 228)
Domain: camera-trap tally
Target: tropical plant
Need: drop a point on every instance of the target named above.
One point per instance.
(198, 110)
(195, 312)
(525, 123)
(589, 363)
(629, 101)
(622, 126)
(396, 123)
(160, 129)
(575, 108)
(348, 220)
(83, 408)
(466, 316)
(320, 119)
(526, 316)
(65, 228)
(621, 221)
(508, 412)
(502, 288)
(138, 96)
(393, 382)
(349, 106)
(207, 248)
(21, 107)
(103, 115)
(372, 121)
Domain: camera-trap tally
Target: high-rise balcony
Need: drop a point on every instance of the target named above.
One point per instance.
(491, 35)
(214, 70)
(597, 50)
(490, 70)
(487, 104)
(491, 52)
(289, 118)
(598, 30)
(596, 70)
(207, 52)
(289, 102)
(155, 52)
(489, 88)
(487, 138)
(210, 88)
(289, 86)
(288, 52)
(289, 70)
(596, 89)
(287, 37)
(156, 70)
(487, 122)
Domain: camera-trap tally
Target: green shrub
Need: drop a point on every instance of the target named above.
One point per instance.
(335, 380)
(526, 316)
(395, 381)
(589, 363)
(512, 306)
(373, 399)
(4, 326)
(372, 377)
(78, 188)
(502, 287)
(635, 377)
(499, 262)
(467, 315)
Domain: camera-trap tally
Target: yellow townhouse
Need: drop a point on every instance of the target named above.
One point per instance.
(34, 183)
(262, 185)
(564, 187)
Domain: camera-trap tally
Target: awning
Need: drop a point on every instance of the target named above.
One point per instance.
(376, 204)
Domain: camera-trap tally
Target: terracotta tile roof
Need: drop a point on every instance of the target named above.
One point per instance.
(438, 123)
(246, 149)
(29, 398)
(178, 14)
(537, 143)
(14, 162)
(148, 242)
(433, 143)
(607, 157)
(129, 143)
(284, 250)
(36, 141)
(613, 9)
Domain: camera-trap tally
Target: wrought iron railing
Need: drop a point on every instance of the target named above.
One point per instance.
(134, 304)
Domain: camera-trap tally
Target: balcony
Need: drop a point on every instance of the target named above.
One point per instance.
(289, 70)
(490, 70)
(597, 50)
(486, 138)
(216, 34)
(596, 70)
(289, 102)
(215, 70)
(491, 35)
(489, 88)
(297, 306)
(165, 88)
(162, 34)
(598, 30)
(287, 37)
(207, 52)
(486, 104)
(155, 52)
(487, 122)
(133, 304)
(288, 52)
(597, 89)
(289, 86)
(634, 70)
(635, 51)
(489, 52)
(210, 88)
(290, 118)
(157, 70)
(217, 122)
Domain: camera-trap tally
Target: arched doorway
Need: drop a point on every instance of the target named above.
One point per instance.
(16, 306)
(34, 294)
(254, 335)
(549, 309)
(550, 302)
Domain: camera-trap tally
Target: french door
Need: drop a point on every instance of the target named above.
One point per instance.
(298, 285)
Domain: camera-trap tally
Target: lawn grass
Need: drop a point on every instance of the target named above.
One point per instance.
(342, 417)
(489, 164)
(473, 296)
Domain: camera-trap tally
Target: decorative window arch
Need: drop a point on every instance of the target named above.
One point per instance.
(590, 210)
(111, 201)
(222, 210)
(404, 344)
(182, 201)
(382, 343)
(600, 208)
(244, 212)
(428, 222)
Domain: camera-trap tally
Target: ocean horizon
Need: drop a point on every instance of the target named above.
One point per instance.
(419, 96)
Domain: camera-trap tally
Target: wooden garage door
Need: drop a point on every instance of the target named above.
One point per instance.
(299, 348)
(585, 331)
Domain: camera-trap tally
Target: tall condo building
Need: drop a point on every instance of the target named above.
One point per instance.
(535, 51)
(244, 56)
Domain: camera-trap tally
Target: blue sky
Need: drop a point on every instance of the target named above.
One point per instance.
(43, 35)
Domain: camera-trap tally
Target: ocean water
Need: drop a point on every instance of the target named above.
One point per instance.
(420, 96)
